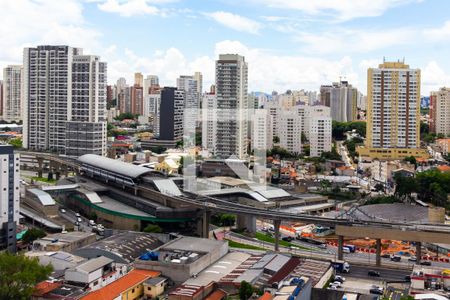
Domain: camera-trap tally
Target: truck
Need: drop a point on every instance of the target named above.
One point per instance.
(352, 248)
(341, 266)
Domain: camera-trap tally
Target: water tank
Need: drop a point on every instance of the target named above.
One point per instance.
(436, 215)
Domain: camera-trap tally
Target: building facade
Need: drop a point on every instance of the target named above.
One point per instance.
(171, 115)
(12, 93)
(440, 111)
(61, 85)
(231, 92)
(189, 85)
(342, 99)
(393, 112)
(209, 107)
(290, 131)
(319, 134)
(262, 134)
(9, 197)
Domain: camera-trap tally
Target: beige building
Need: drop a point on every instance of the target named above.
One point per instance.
(393, 112)
(440, 111)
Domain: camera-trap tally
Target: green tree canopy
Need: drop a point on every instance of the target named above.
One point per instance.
(19, 275)
(32, 235)
(16, 143)
(153, 228)
(245, 290)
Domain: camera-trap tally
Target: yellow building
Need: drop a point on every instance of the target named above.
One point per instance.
(154, 287)
(393, 112)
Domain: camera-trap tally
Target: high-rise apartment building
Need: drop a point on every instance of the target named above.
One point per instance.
(319, 134)
(199, 78)
(209, 124)
(12, 93)
(190, 87)
(393, 112)
(231, 91)
(138, 79)
(62, 86)
(342, 99)
(137, 99)
(1, 99)
(440, 111)
(171, 115)
(262, 134)
(290, 131)
(9, 197)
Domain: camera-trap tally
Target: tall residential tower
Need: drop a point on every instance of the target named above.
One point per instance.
(12, 93)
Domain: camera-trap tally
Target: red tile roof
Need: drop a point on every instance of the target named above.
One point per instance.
(216, 295)
(45, 287)
(266, 296)
(113, 290)
(444, 168)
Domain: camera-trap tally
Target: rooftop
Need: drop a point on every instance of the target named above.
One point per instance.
(43, 197)
(94, 264)
(187, 243)
(126, 246)
(115, 289)
(112, 165)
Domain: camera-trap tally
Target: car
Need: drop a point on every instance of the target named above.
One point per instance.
(322, 246)
(287, 238)
(77, 223)
(337, 284)
(396, 258)
(79, 220)
(91, 223)
(386, 255)
(412, 258)
(62, 210)
(376, 291)
(408, 278)
(425, 263)
(77, 215)
(373, 273)
(339, 278)
(332, 287)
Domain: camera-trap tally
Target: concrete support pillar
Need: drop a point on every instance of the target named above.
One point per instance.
(40, 162)
(340, 247)
(205, 223)
(247, 223)
(276, 227)
(378, 253)
(418, 252)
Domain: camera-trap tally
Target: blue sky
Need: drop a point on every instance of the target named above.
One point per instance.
(289, 44)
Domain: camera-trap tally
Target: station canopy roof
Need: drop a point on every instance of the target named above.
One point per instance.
(115, 166)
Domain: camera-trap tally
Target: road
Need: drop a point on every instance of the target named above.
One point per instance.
(70, 216)
(386, 274)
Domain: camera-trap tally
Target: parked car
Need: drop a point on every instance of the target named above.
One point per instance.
(386, 255)
(425, 263)
(412, 258)
(376, 291)
(322, 246)
(339, 278)
(79, 220)
(91, 222)
(396, 258)
(62, 210)
(373, 273)
(332, 287)
(77, 215)
(77, 223)
(287, 238)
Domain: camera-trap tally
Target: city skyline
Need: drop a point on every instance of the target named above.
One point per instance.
(288, 45)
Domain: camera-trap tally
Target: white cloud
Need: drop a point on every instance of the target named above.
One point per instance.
(130, 7)
(235, 22)
(33, 22)
(341, 10)
(433, 78)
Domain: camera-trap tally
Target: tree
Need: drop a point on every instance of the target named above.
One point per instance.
(276, 139)
(124, 116)
(158, 149)
(16, 143)
(412, 160)
(245, 290)
(153, 228)
(19, 275)
(325, 185)
(32, 235)
(404, 187)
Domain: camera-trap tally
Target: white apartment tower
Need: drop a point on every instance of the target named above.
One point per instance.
(231, 91)
(262, 134)
(62, 86)
(209, 124)
(12, 93)
(319, 134)
(189, 85)
(9, 197)
(342, 98)
(290, 131)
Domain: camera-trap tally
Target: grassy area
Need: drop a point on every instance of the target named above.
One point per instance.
(44, 179)
(234, 244)
(269, 239)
